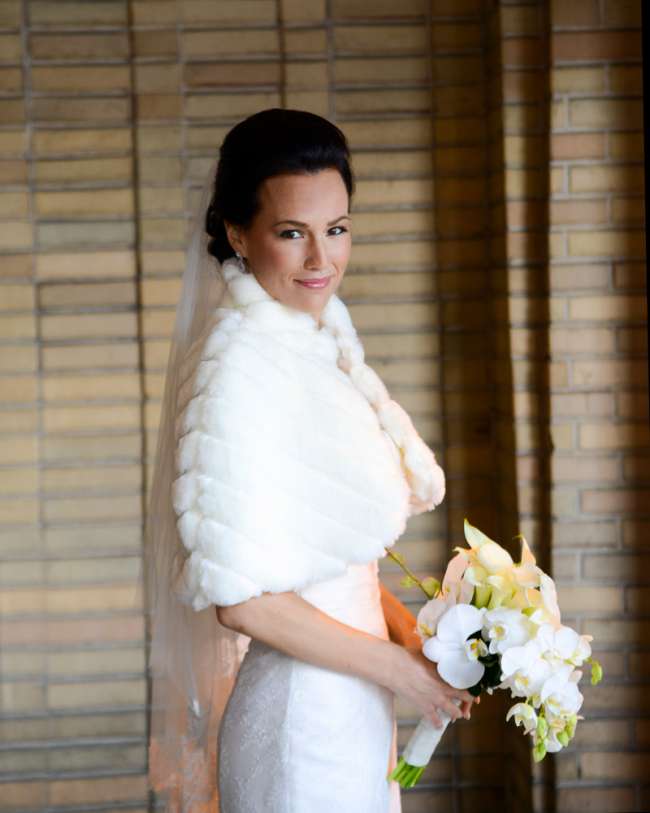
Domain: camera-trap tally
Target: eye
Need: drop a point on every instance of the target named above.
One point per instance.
(287, 232)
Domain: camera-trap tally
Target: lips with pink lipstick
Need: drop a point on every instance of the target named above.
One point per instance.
(315, 283)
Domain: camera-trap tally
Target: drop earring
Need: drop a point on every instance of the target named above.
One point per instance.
(242, 263)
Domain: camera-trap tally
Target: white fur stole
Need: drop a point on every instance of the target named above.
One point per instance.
(293, 460)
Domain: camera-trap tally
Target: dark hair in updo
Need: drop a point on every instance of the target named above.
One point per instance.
(272, 142)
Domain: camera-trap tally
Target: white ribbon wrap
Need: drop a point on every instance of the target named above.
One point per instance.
(425, 739)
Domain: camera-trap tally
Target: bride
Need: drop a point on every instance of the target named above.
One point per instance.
(283, 472)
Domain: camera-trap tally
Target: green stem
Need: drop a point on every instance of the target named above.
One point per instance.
(407, 775)
(408, 572)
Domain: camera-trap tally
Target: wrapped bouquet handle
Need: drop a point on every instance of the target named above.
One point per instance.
(419, 750)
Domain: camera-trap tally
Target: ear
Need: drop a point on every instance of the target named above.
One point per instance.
(235, 237)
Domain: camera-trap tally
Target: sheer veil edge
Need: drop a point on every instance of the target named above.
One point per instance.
(192, 659)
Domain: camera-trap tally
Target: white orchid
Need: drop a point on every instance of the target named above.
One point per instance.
(564, 644)
(456, 656)
(505, 628)
(552, 741)
(525, 715)
(561, 700)
(560, 694)
(524, 671)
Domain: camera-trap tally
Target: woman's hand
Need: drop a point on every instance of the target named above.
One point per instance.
(416, 678)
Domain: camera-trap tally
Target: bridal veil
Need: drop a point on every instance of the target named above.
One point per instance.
(193, 659)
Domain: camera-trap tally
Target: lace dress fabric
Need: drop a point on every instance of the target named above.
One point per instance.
(298, 738)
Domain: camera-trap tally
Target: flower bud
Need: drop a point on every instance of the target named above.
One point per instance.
(539, 751)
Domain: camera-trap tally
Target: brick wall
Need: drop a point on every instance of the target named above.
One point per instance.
(73, 682)
(496, 279)
(599, 390)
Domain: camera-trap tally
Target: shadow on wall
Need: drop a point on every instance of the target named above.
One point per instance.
(475, 255)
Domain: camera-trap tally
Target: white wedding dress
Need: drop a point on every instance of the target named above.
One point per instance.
(298, 738)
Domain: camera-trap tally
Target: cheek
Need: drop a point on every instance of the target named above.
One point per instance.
(342, 250)
(268, 253)
(274, 249)
(272, 254)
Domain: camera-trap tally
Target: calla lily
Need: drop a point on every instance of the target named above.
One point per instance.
(456, 656)
(430, 613)
(454, 590)
(474, 537)
(494, 558)
(497, 580)
(527, 572)
(517, 584)
(453, 581)
(547, 608)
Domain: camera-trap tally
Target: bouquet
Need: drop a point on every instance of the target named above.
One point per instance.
(494, 624)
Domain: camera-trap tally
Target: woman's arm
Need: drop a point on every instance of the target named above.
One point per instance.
(289, 623)
(400, 620)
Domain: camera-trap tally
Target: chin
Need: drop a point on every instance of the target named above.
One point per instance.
(312, 307)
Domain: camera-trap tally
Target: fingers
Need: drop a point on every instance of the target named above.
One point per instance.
(467, 701)
(451, 709)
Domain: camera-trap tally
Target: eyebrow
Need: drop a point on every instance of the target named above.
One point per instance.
(298, 223)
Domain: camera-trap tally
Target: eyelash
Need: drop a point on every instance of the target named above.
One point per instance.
(289, 231)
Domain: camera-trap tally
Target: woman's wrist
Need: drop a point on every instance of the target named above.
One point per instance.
(397, 663)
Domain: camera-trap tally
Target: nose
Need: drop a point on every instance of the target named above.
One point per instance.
(317, 256)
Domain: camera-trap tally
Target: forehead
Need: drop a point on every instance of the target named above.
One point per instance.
(293, 195)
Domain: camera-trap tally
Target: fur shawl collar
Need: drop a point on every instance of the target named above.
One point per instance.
(292, 460)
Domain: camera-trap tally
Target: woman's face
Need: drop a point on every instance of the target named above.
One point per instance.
(301, 232)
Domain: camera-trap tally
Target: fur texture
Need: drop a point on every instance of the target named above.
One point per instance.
(293, 460)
